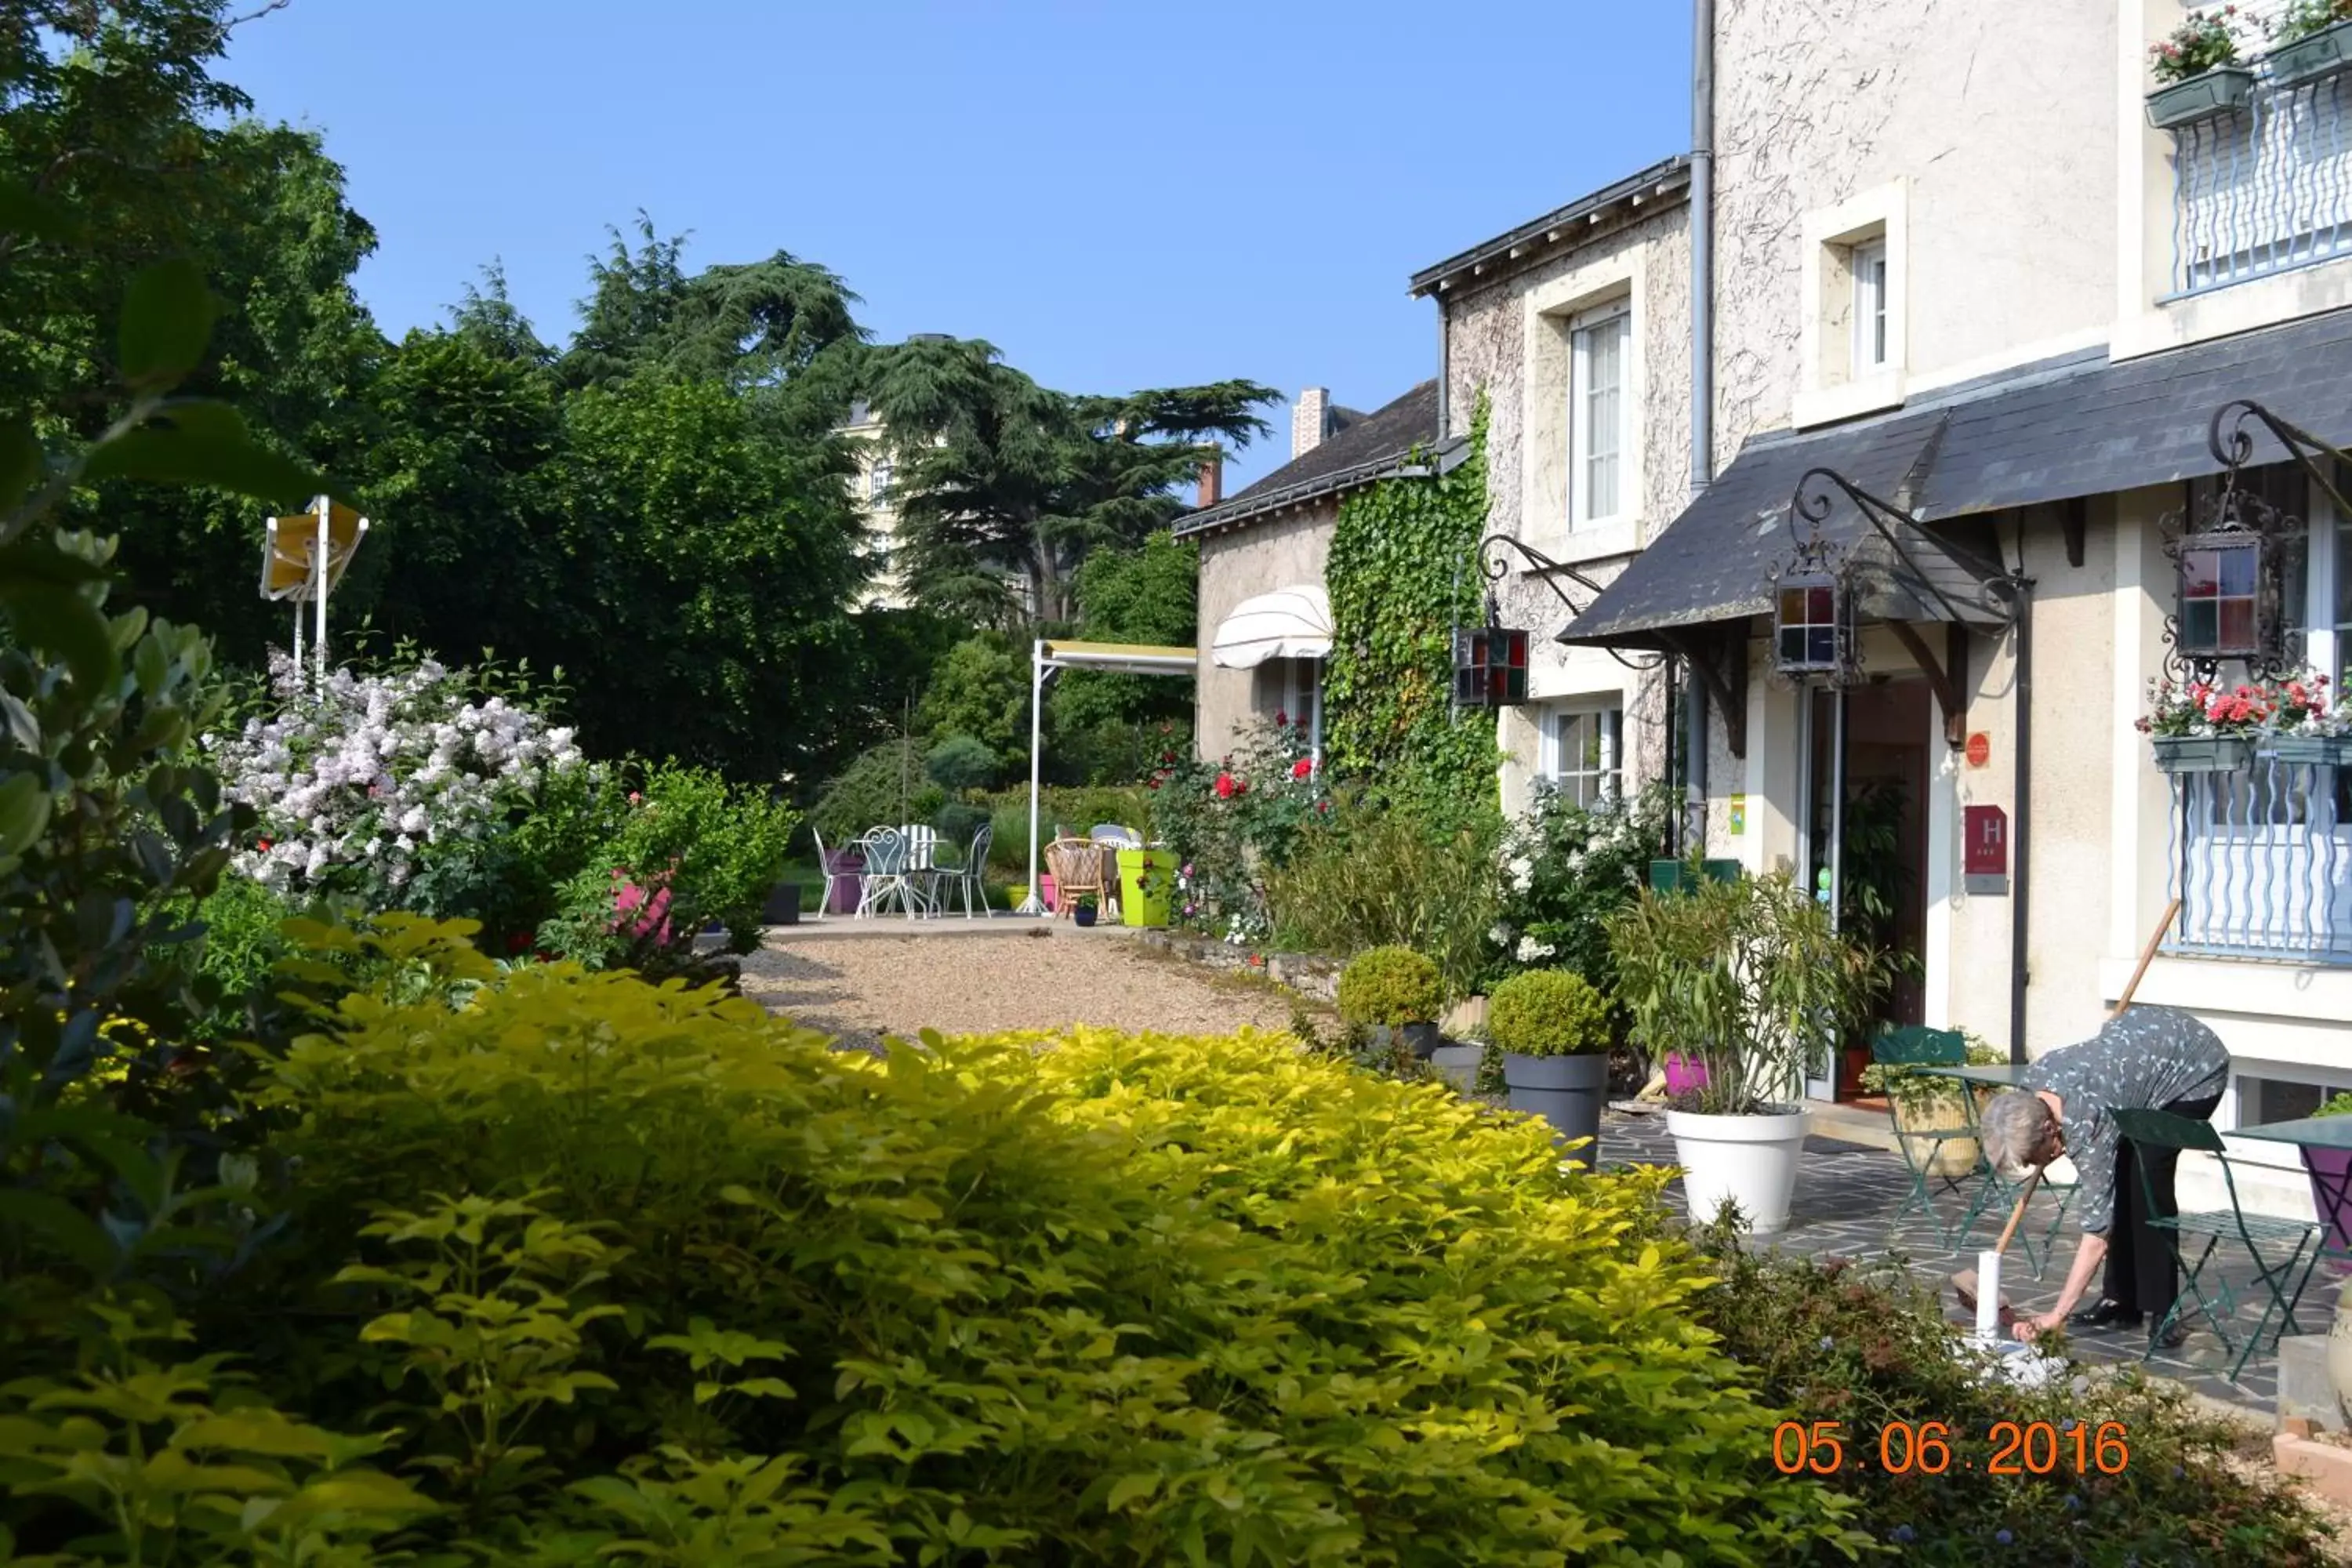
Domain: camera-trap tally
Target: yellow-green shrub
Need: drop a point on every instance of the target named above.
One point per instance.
(1390, 986)
(647, 1271)
(1547, 1013)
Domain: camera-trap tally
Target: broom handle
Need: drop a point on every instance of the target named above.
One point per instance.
(2147, 957)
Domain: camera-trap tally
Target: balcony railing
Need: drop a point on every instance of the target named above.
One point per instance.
(2263, 190)
(2262, 862)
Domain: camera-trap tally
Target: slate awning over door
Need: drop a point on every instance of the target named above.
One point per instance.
(2077, 426)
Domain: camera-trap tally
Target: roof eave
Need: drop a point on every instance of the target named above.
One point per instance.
(1665, 181)
(1416, 462)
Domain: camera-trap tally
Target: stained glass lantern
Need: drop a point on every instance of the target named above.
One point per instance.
(2224, 611)
(1490, 667)
(1812, 625)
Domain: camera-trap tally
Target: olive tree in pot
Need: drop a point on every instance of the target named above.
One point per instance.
(1395, 994)
(1552, 1029)
(1750, 979)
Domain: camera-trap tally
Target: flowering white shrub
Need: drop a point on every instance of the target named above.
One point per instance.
(360, 780)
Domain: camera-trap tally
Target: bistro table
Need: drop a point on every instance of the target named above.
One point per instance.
(2325, 1142)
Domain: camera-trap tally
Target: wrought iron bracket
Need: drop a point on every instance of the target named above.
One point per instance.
(2235, 449)
(1811, 502)
(1722, 662)
(1495, 567)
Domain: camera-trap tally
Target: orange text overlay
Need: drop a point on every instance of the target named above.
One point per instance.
(1932, 1448)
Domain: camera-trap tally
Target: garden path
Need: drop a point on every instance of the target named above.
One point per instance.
(861, 982)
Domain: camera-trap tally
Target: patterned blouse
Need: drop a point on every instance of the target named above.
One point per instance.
(2148, 1058)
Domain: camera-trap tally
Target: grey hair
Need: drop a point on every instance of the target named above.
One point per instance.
(2016, 1127)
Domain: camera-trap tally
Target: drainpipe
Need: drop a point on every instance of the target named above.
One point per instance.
(1445, 366)
(2021, 832)
(1702, 352)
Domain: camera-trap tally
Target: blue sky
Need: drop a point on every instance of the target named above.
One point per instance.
(1116, 196)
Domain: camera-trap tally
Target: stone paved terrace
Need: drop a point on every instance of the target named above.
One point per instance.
(1847, 1195)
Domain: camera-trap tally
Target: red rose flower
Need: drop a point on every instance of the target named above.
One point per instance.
(1302, 767)
(1227, 787)
(261, 844)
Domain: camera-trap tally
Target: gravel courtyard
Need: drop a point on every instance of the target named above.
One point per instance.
(874, 982)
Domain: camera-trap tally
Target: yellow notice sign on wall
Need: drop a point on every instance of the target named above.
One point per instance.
(1738, 813)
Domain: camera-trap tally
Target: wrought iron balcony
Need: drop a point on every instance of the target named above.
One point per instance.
(2265, 189)
(2262, 862)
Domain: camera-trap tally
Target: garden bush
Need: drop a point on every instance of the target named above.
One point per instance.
(1868, 1348)
(605, 1271)
(1234, 821)
(1369, 876)
(1549, 1013)
(961, 762)
(1565, 870)
(1390, 986)
(1075, 806)
(885, 787)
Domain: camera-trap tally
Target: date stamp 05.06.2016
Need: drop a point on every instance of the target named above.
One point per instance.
(1933, 1448)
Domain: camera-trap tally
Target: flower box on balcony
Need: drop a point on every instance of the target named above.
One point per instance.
(2221, 91)
(2314, 751)
(2202, 753)
(2311, 57)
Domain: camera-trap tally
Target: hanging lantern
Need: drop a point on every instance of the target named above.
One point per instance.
(1812, 625)
(2223, 610)
(1490, 667)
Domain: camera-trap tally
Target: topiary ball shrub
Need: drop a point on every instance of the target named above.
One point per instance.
(1391, 986)
(1868, 1349)
(650, 1274)
(961, 762)
(1549, 1013)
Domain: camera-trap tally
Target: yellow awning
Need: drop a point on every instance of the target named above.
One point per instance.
(287, 569)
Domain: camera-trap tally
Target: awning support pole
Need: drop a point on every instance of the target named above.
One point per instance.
(1315, 719)
(1030, 903)
(319, 562)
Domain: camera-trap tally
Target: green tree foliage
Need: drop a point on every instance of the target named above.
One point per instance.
(1003, 485)
(981, 690)
(1402, 574)
(1108, 727)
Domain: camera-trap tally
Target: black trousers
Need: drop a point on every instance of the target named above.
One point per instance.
(2141, 1275)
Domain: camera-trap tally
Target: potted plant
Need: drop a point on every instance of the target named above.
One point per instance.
(1083, 912)
(1931, 1102)
(2327, 1168)
(783, 905)
(1552, 1029)
(1396, 995)
(2311, 40)
(2196, 71)
(1752, 980)
(2204, 727)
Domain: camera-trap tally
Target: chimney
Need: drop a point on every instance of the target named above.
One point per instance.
(1212, 481)
(1310, 420)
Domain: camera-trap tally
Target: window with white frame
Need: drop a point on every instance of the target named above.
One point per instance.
(877, 481)
(1581, 751)
(1869, 266)
(1598, 422)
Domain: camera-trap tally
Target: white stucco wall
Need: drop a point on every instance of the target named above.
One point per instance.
(1991, 120)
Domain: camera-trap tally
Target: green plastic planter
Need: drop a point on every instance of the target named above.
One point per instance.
(2202, 753)
(1146, 887)
(2313, 751)
(2221, 91)
(2311, 57)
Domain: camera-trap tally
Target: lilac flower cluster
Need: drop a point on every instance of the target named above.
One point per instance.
(357, 775)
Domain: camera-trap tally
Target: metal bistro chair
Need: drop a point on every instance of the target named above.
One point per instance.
(967, 876)
(1914, 1046)
(2162, 1132)
(887, 873)
(830, 876)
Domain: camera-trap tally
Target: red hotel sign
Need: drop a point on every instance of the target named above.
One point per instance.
(1985, 849)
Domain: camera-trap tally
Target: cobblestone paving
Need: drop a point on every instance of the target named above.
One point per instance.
(1847, 1197)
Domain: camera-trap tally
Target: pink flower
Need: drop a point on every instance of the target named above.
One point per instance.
(635, 798)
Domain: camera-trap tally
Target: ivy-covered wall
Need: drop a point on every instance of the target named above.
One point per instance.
(1402, 573)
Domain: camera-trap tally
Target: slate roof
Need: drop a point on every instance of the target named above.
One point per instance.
(1369, 446)
(2078, 424)
(1667, 177)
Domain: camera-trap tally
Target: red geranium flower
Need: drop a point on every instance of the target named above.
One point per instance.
(261, 844)
(1227, 787)
(1302, 767)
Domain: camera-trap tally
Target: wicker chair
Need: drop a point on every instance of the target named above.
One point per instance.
(1076, 868)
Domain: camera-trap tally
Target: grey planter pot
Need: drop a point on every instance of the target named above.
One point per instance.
(1566, 1091)
(2222, 91)
(2202, 753)
(2322, 54)
(1418, 1039)
(2313, 751)
(784, 906)
(1458, 1065)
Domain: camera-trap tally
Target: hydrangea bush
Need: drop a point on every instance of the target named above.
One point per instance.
(1566, 869)
(366, 786)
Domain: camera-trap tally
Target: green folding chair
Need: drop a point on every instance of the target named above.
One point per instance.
(2280, 1281)
(1915, 1046)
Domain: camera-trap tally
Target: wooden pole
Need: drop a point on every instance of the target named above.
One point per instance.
(2148, 956)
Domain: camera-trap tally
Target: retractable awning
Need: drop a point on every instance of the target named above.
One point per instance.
(1288, 622)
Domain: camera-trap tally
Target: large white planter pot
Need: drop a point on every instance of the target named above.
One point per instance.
(1750, 1158)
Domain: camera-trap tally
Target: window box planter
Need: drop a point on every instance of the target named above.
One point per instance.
(2313, 751)
(2202, 753)
(2309, 58)
(2221, 91)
